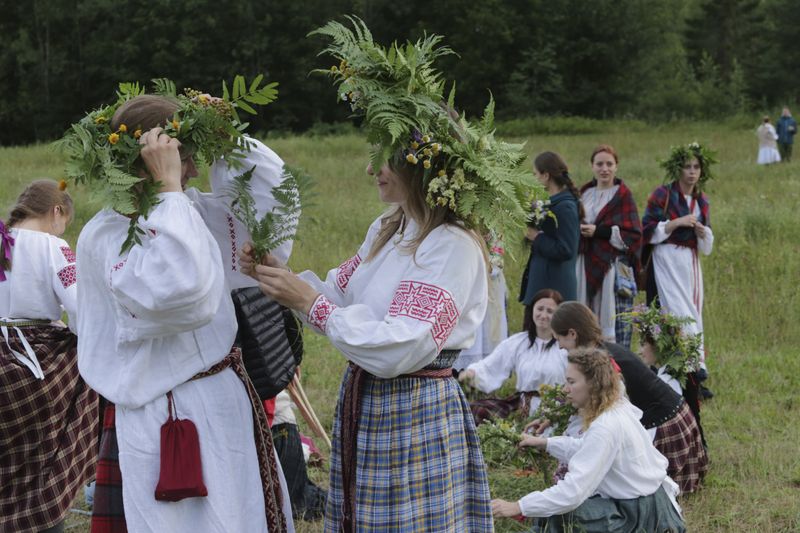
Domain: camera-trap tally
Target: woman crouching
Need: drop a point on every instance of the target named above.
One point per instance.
(617, 480)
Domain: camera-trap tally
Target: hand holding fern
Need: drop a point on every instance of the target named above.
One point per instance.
(285, 287)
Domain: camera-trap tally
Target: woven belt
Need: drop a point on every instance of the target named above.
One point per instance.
(440, 368)
(25, 323)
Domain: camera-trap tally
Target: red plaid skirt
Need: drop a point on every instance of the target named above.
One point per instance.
(48, 431)
(679, 441)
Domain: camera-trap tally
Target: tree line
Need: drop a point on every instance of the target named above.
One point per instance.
(646, 59)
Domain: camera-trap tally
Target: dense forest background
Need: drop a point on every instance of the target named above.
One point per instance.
(653, 60)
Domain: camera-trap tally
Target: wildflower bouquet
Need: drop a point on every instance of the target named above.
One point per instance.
(675, 349)
(499, 440)
(554, 407)
(278, 225)
(540, 211)
(106, 159)
(680, 155)
(408, 120)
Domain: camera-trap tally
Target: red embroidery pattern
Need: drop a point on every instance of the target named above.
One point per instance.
(428, 303)
(69, 255)
(319, 313)
(232, 234)
(115, 268)
(68, 276)
(346, 270)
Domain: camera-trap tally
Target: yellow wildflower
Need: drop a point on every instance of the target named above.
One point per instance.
(113, 138)
(442, 173)
(411, 159)
(426, 163)
(176, 124)
(414, 145)
(137, 134)
(426, 139)
(123, 128)
(428, 152)
(100, 120)
(62, 185)
(203, 99)
(334, 68)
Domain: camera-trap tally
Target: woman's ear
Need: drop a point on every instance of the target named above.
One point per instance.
(572, 334)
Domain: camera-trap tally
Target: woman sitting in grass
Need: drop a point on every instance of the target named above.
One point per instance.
(617, 480)
(533, 355)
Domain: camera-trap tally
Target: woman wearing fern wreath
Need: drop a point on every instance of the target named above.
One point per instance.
(554, 245)
(157, 322)
(677, 229)
(611, 237)
(617, 481)
(406, 456)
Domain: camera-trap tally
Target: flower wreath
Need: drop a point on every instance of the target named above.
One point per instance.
(400, 96)
(108, 161)
(680, 155)
(675, 349)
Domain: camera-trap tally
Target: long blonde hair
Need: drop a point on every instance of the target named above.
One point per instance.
(601, 377)
(417, 208)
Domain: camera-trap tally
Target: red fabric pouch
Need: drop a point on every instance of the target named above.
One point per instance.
(181, 471)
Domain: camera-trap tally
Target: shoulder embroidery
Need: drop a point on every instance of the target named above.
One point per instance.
(69, 255)
(346, 270)
(68, 276)
(428, 303)
(320, 312)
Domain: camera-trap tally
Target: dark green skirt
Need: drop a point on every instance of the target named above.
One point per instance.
(647, 514)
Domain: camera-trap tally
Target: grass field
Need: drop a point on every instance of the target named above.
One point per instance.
(752, 283)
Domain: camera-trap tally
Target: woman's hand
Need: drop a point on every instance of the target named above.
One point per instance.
(160, 155)
(504, 509)
(587, 230)
(531, 233)
(530, 441)
(686, 221)
(699, 230)
(285, 287)
(537, 426)
(247, 262)
(467, 377)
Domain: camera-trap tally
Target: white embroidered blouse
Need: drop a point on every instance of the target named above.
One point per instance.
(534, 365)
(393, 314)
(614, 458)
(153, 317)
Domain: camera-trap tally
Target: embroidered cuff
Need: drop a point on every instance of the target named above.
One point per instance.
(319, 313)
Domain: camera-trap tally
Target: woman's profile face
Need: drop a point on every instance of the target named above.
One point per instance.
(576, 387)
(568, 341)
(542, 177)
(604, 168)
(543, 310)
(391, 188)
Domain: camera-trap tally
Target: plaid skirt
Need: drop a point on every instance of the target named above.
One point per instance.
(108, 514)
(622, 328)
(48, 431)
(419, 462)
(679, 440)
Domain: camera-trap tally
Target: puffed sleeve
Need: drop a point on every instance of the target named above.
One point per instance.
(64, 277)
(173, 282)
(493, 370)
(425, 309)
(587, 468)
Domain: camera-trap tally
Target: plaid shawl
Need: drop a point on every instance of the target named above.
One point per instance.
(598, 254)
(671, 198)
(48, 431)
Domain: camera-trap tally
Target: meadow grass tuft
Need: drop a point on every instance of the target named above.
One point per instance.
(752, 298)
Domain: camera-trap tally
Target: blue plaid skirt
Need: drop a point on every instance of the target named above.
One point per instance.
(419, 462)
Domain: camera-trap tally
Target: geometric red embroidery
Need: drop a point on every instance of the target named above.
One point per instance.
(232, 235)
(346, 270)
(69, 255)
(428, 303)
(319, 313)
(67, 276)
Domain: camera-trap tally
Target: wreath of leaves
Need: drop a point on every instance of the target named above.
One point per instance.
(108, 163)
(680, 155)
(400, 95)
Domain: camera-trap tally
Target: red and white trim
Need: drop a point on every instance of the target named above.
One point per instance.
(428, 303)
(345, 271)
(232, 235)
(68, 276)
(319, 313)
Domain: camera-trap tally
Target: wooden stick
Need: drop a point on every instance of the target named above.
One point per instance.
(296, 392)
(323, 433)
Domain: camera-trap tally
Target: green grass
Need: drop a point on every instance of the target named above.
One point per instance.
(752, 283)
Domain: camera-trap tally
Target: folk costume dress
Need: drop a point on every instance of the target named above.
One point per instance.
(676, 262)
(48, 415)
(160, 318)
(405, 453)
(617, 481)
(617, 239)
(767, 145)
(535, 363)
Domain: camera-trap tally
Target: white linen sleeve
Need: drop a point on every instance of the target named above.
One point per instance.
(616, 239)
(564, 447)
(425, 309)
(660, 233)
(173, 282)
(587, 468)
(65, 278)
(706, 244)
(491, 372)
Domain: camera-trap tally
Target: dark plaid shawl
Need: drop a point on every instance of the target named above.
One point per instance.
(671, 197)
(598, 254)
(48, 431)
